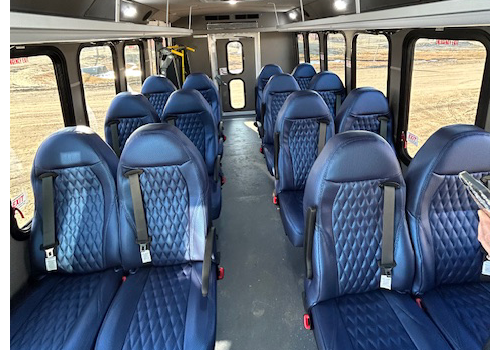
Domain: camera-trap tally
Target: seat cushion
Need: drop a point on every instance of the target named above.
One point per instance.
(62, 311)
(161, 308)
(269, 155)
(292, 215)
(462, 313)
(377, 320)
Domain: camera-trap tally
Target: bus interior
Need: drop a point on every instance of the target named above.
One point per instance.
(246, 174)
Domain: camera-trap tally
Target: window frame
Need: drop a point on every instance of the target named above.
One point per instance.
(470, 34)
(242, 57)
(345, 51)
(114, 57)
(142, 60)
(244, 93)
(354, 63)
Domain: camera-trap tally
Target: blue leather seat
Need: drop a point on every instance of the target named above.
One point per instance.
(363, 109)
(331, 88)
(63, 309)
(127, 112)
(298, 125)
(278, 88)
(160, 305)
(210, 91)
(348, 308)
(265, 74)
(157, 89)
(303, 73)
(193, 116)
(443, 223)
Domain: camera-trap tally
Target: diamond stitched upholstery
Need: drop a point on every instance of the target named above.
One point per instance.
(330, 98)
(160, 317)
(471, 304)
(357, 228)
(369, 123)
(49, 326)
(453, 219)
(166, 201)
(372, 324)
(303, 143)
(158, 100)
(79, 206)
(126, 127)
(303, 82)
(192, 126)
(277, 101)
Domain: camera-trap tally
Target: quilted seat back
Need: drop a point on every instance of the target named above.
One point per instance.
(130, 111)
(265, 74)
(174, 187)
(330, 87)
(303, 73)
(362, 110)
(208, 89)
(157, 89)
(345, 186)
(194, 118)
(298, 124)
(277, 89)
(85, 201)
(441, 214)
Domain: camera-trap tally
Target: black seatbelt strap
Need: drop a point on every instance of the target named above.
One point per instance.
(322, 135)
(50, 243)
(338, 102)
(207, 261)
(308, 239)
(260, 123)
(217, 168)
(276, 154)
(383, 126)
(387, 260)
(115, 141)
(143, 238)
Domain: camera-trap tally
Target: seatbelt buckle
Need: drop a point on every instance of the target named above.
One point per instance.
(145, 253)
(50, 259)
(386, 276)
(485, 270)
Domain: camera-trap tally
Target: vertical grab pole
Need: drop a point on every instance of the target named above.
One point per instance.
(117, 10)
(358, 6)
(302, 10)
(166, 16)
(190, 13)
(275, 12)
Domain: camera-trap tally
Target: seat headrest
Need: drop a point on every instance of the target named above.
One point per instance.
(199, 81)
(155, 84)
(304, 104)
(186, 101)
(448, 151)
(267, 72)
(304, 70)
(364, 101)
(73, 146)
(131, 105)
(281, 82)
(326, 81)
(368, 156)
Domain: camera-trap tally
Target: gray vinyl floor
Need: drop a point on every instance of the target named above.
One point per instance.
(259, 301)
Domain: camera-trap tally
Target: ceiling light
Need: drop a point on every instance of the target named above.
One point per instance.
(129, 11)
(292, 15)
(232, 2)
(340, 5)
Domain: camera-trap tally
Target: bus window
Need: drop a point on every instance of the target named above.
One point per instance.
(336, 54)
(98, 75)
(314, 51)
(237, 94)
(133, 69)
(31, 79)
(445, 87)
(372, 61)
(234, 52)
(300, 47)
(152, 56)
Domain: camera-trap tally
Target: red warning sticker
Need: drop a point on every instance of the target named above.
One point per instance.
(19, 201)
(412, 138)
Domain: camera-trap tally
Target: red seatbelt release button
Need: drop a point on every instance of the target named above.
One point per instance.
(307, 322)
(220, 273)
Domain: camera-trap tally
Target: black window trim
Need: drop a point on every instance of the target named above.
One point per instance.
(242, 57)
(112, 47)
(470, 34)
(345, 51)
(244, 93)
(140, 44)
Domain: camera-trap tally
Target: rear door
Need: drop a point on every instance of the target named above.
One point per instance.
(236, 70)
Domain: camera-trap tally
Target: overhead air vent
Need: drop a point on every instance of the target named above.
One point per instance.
(247, 16)
(232, 25)
(217, 18)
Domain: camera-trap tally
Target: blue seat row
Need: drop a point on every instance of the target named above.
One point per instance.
(428, 294)
(99, 284)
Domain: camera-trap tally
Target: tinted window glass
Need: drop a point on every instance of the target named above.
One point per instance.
(372, 61)
(314, 51)
(336, 55)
